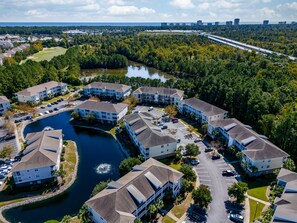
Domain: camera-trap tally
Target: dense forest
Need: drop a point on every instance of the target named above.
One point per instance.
(258, 90)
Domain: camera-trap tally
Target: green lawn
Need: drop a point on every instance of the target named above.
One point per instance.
(46, 54)
(167, 219)
(258, 189)
(169, 162)
(255, 209)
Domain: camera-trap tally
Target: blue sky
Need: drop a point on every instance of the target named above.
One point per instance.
(146, 10)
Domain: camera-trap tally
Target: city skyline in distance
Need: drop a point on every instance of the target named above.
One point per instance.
(254, 11)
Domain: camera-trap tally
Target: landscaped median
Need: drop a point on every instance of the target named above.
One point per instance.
(70, 166)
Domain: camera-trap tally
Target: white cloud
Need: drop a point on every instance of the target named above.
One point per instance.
(222, 4)
(204, 6)
(292, 5)
(268, 13)
(182, 4)
(129, 10)
(115, 2)
(90, 7)
(36, 13)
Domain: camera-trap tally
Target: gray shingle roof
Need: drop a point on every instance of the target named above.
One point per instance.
(286, 175)
(43, 150)
(3, 99)
(110, 86)
(257, 148)
(41, 87)
(148, 134)
(206, 108)
(160, 90)
(117, 205)
(102, 106)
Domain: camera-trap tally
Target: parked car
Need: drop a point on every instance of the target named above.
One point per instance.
(49, 105)
(164, 127)
(56, 109)
(47, 112)
(16, 121)
(28, 117)
(40, 114)
(197, 140)
(195, 162)
(151, 108)
(164, 115)
(160, 123)
(51, 111)
(178, 140)
(236, 217)
(228, 173)
(215, 156)
(42, 107)
(174, 120)
(208, 149)
(2, 176)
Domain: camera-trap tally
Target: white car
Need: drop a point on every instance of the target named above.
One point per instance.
(47, 112)
(40, 114)
(195, 162)
(1, 182)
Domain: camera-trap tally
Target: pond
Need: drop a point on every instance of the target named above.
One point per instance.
(133, 70)
(94, 148)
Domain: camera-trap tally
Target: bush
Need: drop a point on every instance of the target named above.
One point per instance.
(188, 172)
(127, 165)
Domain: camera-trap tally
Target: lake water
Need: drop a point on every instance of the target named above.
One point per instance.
(133, 70)
(94, 148)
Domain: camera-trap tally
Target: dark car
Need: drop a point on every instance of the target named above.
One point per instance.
(164, 127)
(208, 149)
(42, 107)
(28, 117)
(16, 121)
(235, 217)
(174, 120)
(197, 140)
(215, 156)
(56, 109)
(49, 105)
(228, 173)
(50, 111)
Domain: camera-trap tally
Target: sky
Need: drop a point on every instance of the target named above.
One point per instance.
(146, 10)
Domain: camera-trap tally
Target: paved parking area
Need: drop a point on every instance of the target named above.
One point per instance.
(210, 174)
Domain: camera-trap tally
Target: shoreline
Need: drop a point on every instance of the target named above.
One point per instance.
(38, 198)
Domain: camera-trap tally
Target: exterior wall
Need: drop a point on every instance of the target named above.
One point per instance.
(162, 150)
(103, 116)
(96, 217)
(43, 94)
(31, 175)
(157, 98)
(4, 106)
(106, 93)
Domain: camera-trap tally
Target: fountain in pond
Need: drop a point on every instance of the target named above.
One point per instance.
(103, 168)
(48, 128)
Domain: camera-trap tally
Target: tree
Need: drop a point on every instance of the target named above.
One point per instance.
(99, 187)
(127, 165)
(171, 110)
(178, 153)
(75, 115)
(6, 151)
(131, 101)
(152, 210)
(159, 204)
(192, 149)
(188, 172)
(204, 128)
(238, 191)
(66, 219)
(202, 196)
(9, 126)
(7, 114)
(290, 165)
(90, 118)
(83, 214)
(186, 186)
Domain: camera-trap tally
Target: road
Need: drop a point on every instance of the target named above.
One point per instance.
(210, 174)
(244, 46)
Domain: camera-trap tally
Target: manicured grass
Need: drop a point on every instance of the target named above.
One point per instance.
(258, 188)
(255, 209)
(51, 221)
(171, 163)
(46, 54)
(179, 210)
(70, 161)
(167, 219)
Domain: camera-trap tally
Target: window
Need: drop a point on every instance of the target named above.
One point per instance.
(269, 161)
(27, 170)
(36, 170)
(37, 176)
(262, 167)
(162, 146)
(268, 166)
(18, 173)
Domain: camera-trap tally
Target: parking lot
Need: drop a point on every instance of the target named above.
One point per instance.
(210, 174)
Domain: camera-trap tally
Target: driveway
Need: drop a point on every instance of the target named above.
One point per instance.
(210, 174)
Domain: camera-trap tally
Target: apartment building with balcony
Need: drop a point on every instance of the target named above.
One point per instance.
(129, 197)
(259, 155)
(107, 90)
(104, 112)
(158, 95)
(201, 110)
(41, 91)
(40, 158)
(149, 138)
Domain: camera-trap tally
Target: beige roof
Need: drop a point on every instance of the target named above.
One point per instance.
(160, 90)
(3, 99)
(118, 201)
(287, 175)
(109, 86)
(206, 108)
(147, 134)
(39, 88)
(102, 106)
(257, 146)
(43, 149)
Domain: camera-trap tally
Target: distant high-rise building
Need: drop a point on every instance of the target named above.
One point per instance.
(177, 24)
(217, 23)
(209, 24)
(199, 23)
(293, 23)
(265, 22)
(228, 23)
(164, 24)
(282, 23)
(171, 24)
(236, 21)
(184, 24)
(193, 24)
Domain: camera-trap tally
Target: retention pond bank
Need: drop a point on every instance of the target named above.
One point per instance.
(95, 149)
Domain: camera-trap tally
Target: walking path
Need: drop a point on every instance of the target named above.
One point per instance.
(42, 197)
(258, 200)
